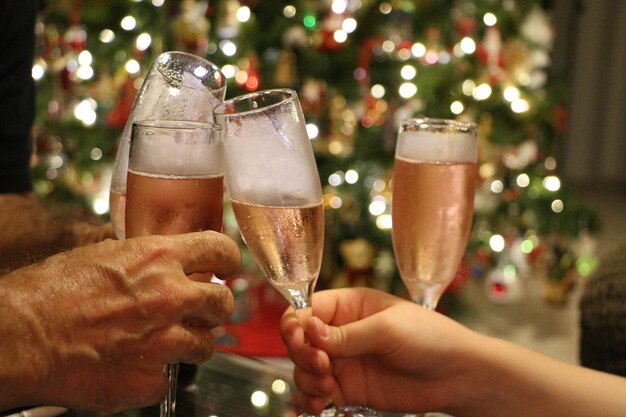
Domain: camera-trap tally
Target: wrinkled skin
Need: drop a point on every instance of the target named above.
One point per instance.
(93, 327)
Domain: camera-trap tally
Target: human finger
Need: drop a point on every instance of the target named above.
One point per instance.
(352, 339)
(346, 305)
(314, 384)
(207, 251)
(211, 305)
(187, 344)
(302, 353)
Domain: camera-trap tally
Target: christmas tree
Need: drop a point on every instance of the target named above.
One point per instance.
(359, 67)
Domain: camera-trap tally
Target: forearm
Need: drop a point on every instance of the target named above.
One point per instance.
(30, 233)
(22, 361)
(510, 380)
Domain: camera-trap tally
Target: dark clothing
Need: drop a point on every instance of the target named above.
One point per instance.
(17, 93)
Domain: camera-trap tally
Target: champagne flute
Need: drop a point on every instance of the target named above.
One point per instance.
(175, 185)
(178, 86)
(275, 191)
(432, 203)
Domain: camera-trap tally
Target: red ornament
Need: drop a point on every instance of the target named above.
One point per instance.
(466, 26)
(118, 116)
(498, 290)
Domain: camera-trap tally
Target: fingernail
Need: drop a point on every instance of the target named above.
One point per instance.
(322, 328)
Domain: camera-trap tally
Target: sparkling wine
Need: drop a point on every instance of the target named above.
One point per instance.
(117, 209)
(166, 205)
(432, 212)
(287, 241)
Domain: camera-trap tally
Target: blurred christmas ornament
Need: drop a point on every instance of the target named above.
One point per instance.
(503, 284)
(538, 29)
(313, 96)
(228, 24)
(191, 27)
(384, 270)
(325, 37)
(286, 74)
(118, 115)
(357, 255)
(557, 264)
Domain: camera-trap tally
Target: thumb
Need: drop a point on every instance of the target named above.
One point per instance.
(352, 339)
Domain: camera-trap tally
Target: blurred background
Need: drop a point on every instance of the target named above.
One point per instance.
(545, 81)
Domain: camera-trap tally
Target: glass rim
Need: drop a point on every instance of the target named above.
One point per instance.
(158, 65)
(184, 125)
(289, 95)
(425, 123)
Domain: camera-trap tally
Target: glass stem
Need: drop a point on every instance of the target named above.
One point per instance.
(168, 405)
(427, 296)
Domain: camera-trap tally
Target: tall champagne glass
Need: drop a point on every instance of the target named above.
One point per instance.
(178, 86)
(175, 185)
(275, 191)
(432, 203)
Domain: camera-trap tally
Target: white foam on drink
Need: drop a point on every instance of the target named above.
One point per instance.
(437, 146)
(270, 162)
(176, 153)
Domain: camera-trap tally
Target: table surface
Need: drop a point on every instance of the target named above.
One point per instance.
(230, 385)
(227, 386)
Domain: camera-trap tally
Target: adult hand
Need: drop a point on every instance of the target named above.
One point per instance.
(92, 328)
(365, 347)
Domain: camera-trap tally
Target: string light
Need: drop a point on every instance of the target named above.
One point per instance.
(128, 23)
(289, 11)
(339, 6)
(482, 92)
(85, 111)
(377, 91)
(143, 41)
(511, 93)
(468, 45)
(496, 243)
(523, 180)
(349, 25)
(312, 130)
(378, 206)
(229, 71)
(336, 179)
(552, 183)
(497, 186)
(408, 72)
(352, 176)
(407, 90)
(243, 14)
(38, 70)
(490, 19)
(132, 66)
(335, 202)
(557, 206)
(384, 222)
(340, 36)
(385, 8)
(457, 107)
(418, 50)
(309, 21)
(228, 47)
(520, 105)
(107, 36)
